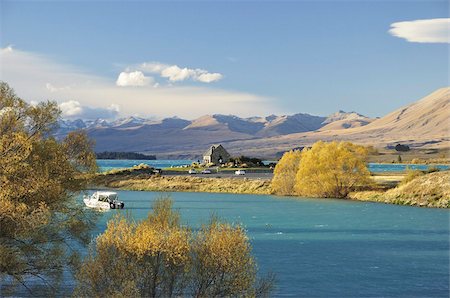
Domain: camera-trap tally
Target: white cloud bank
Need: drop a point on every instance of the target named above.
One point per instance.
(174, 73)
(74, 109)
(133, 79)
(423, 31)
(36, 77)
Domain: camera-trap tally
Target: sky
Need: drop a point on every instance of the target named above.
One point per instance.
(157, 59)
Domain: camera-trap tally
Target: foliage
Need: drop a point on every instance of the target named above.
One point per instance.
(401, 148)
(284, 174)
(38, 179)
(332, 170)
(411, 175)
(124, 155)
(134, 170)
(158, 257)
(426, 190)
(249, 161)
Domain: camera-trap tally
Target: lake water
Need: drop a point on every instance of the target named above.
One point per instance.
(327, 248)
(106, 165)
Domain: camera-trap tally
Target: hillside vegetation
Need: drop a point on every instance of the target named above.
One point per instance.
(430, 190)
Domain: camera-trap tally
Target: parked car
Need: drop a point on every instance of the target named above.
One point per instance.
(206, 171)
(239, 172)
(192, 171)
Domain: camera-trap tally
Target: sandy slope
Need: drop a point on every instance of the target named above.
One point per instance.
(425, 123)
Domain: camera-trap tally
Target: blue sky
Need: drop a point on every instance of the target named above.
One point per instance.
(268, 57)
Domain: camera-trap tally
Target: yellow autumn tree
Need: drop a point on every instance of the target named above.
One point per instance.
(332, 170)
(284, 174)
(39, 178)
(158, 257)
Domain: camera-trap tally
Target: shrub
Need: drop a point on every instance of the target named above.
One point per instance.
(285, 172)
(332, 170)
(411, 175)
(159, 257)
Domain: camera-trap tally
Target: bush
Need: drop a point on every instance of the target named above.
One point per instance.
(411, 175)
(401, 148)
(332, 170)
(159, 257)
(285, 172)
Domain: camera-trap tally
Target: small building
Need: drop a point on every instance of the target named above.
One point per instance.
(216, 154)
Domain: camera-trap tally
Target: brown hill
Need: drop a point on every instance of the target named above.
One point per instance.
(423, 124)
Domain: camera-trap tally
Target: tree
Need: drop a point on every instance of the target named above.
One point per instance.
(332, 170)
(39, 218)
(285, 172)
(158, 257)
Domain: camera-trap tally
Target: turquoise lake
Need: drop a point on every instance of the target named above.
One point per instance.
(106, 165)
(327, 248)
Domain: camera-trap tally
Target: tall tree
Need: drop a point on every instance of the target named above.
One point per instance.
(39, 178)
(332, 170)
(285, 172)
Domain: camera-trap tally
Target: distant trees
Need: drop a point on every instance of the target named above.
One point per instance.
(124, 155)
(247, 161)
(158, 257)
(402, 148)
(284, 174)
(326, 170)
(39, 218)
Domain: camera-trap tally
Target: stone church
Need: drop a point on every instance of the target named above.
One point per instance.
(216, 154)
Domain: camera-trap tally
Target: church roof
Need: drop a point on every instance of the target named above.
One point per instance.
(209, 152)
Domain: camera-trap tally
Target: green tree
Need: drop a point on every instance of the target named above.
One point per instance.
(284, 174)
(39, 218)
(158, 257)
(332, 170)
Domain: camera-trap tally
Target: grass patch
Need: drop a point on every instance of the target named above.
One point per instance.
(425, 190)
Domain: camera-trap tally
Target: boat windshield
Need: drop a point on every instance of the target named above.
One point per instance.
(106, 198)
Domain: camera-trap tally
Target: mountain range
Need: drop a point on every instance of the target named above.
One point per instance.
(424, 123)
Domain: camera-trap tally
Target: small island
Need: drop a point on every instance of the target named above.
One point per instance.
(124, 155)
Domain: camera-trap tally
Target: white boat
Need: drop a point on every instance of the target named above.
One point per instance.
(103, 200)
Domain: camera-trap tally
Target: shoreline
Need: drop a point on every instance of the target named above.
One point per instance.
(430, 191)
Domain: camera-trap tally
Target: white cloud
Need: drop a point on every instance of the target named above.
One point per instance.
(50, 87)
(423, 31)
(209, 77)
(176, 74)
(28, 73)
(133, 79)
(7, 49)
(71, 108)
(74, 109)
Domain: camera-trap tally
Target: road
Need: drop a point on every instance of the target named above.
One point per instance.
(229, 174)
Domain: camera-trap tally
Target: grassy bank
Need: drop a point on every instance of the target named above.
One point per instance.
(186, 183)
(430, 190)
(426, 190)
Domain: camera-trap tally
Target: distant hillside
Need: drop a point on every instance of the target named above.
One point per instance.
(425, 124)
(344, 120)
(421, 124)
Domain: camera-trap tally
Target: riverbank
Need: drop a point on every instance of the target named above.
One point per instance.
(185, 183)
(427, 190)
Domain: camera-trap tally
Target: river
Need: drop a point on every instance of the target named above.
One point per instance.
(327, 248)
(106, 165)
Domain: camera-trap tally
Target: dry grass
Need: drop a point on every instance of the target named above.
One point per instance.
(187, 183)
(429, 190)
